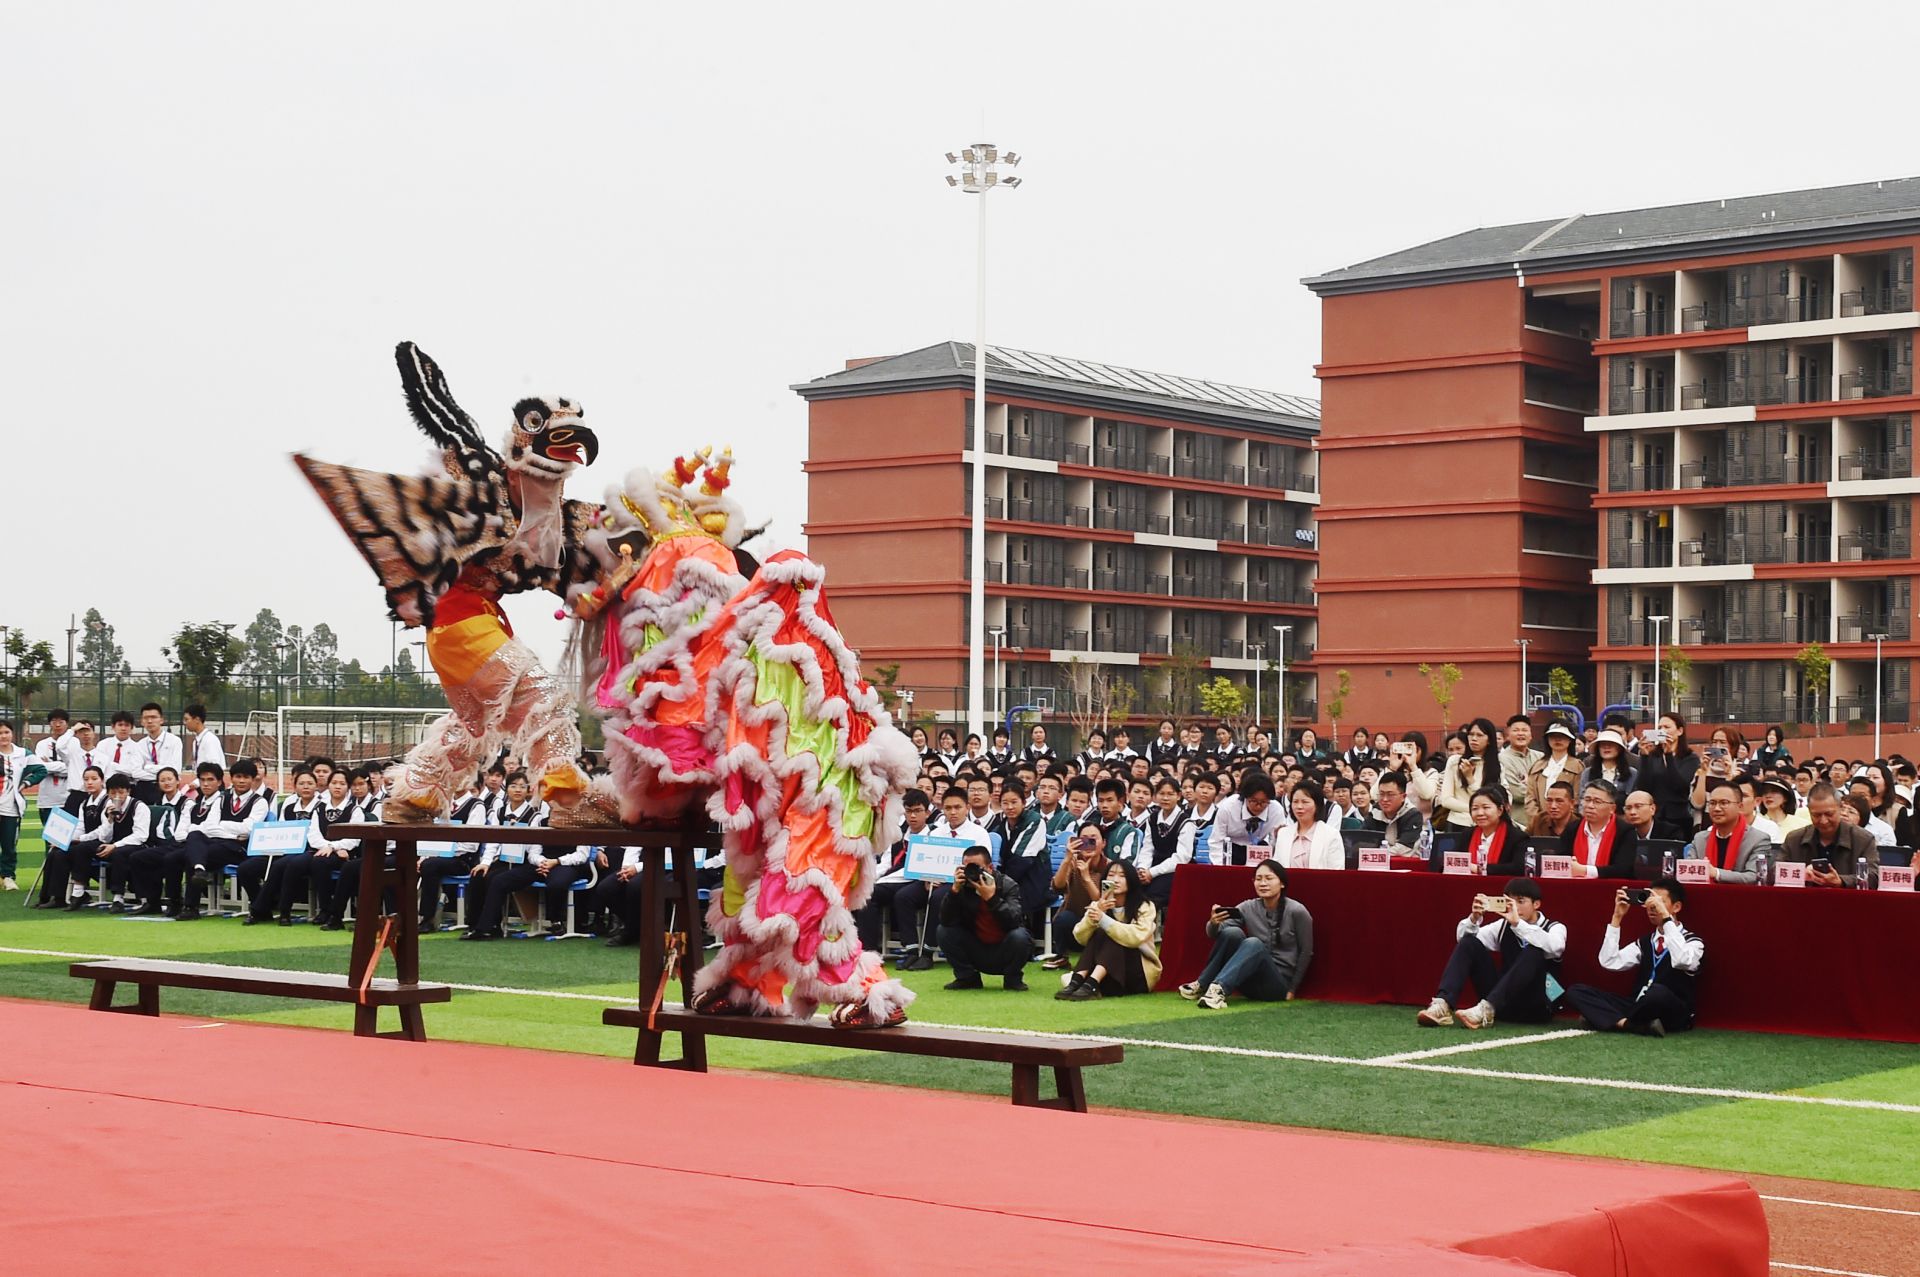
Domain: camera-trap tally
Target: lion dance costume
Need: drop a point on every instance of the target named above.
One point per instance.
(741, 695)
(448, 547)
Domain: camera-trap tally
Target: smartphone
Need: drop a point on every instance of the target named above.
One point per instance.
(1822, 865)
(1716, 751)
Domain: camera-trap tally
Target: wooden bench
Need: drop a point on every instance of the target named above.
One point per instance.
(1025, 1054)
(151, 976)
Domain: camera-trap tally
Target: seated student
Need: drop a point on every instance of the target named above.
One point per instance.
(557, 867)
(146, 866)
(1077, 881)
(1116, 931)
(1780, 805)
(1247, 817)
(84, 805)
(1123, 839)
(616, 900)
(1667, 961)
(1170, 836)
(334, 867)
(983, 924)
(1140, 806)
(953, 822)
(1095, 752)
(198, 812)
(1835, 852)
(1601, 844)
(1407, 836)
(1261, 947)
(1730, 848)
(120, 825)
(870, 918)
(270, 880)
(1309, 842)
(474, 809)
(1496, 845)
(1529, 947)
(1000, 753)
(208, 849)
(1026, 844)
(327, 854)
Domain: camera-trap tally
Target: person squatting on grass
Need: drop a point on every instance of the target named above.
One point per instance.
(1116, 931)
(983, 926)
(1667, 960)
(1261, 947)
(1528, 946)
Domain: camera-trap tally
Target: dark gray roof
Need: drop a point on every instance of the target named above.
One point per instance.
(1078, 381)
(1783, 219)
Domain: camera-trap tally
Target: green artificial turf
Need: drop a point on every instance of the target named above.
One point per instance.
(1813, 1142)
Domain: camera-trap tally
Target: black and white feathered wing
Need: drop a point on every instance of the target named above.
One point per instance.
(420, 532)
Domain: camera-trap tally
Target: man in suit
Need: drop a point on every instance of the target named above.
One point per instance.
(1847, 850)
(1729, 845)
(1602, 845)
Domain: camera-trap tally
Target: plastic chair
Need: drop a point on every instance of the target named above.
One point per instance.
(574, 888)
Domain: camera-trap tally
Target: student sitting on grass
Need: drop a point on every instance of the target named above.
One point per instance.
(1666, 959)
(1529, 947)
(1117, 934)
(1261, 947)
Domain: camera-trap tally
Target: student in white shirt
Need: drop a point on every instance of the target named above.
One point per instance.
(209, 849)
(158, 748)
(54, 752)
(329, 853)
(13, 804)
(197, 814)
(56, 873)
(478, 810)
(1246, 818)
(86, 750)
(105, 846)
(504, 877)
(1529, 947)
(274, 883)
(206, 742)
(953, 822)
(1169, 842)
(147, 866)
(119, 752)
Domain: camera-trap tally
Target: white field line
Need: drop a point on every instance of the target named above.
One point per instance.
(1258, 1053)
(1808, 1201)
(1479, 1044)
(1809, 1268)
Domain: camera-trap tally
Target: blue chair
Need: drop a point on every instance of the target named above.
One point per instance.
(574, 888)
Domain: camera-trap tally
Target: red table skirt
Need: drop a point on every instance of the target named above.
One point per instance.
(1779, 959)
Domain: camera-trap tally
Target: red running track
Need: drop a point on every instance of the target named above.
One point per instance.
(172, 1144)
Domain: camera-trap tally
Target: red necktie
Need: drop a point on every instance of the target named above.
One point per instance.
(116, 753)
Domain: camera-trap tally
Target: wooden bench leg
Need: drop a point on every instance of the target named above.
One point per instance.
(149, 999)
(102, 999)
(366, 1021)
(1073, 1091)
(1026, 1085)
(413, 1025)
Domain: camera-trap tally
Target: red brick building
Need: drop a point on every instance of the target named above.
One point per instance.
(1701, 412)
(1135, 521)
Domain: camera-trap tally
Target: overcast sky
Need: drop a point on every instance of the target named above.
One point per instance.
(219, 218)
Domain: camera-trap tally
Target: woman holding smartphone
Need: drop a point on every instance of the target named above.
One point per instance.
(1261, 947)
(1721, 762)
(1477, 767)
(1667, 771)
(1117, 931)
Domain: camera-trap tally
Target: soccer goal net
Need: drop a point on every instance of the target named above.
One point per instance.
(350, 735)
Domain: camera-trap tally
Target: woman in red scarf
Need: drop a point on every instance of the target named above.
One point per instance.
(1497, 845)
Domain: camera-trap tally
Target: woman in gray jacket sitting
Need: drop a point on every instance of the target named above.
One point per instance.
(1261, 947)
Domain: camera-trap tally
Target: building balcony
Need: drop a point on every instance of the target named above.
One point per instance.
(1846, 709)
(1158, 643)
(1129, 581)
(1640, 323)
(1056, 576)
(1741, 472)
(1876, 301)
(1208, 528)
(1138, 460)
(1118, 519)
(1118, 641)
(1280, 478)
(1040, 636)
(1211, 469)
(1755, 391)
(1026, 510)
(1279, 592)
(1640, 554)
(1625, 400)
(1726, 548)
(1892, 463)
(1078, 454)
(1861, 624)
(1635, 478)
(1207, 587)
(1859, 547)
(1751, 311)
(1876, 383)
(1280, 535)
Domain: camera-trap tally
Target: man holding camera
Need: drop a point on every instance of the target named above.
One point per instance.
(1529, 947)
(983, 926)
(1667, 959)
(1835, 853)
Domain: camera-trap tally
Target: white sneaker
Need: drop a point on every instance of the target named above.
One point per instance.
(1438, 1013)
(1214, 999)
(8, 884)
(1479, 1016)
(1190, 991)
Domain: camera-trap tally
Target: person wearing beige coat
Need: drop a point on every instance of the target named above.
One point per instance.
(1119, 956)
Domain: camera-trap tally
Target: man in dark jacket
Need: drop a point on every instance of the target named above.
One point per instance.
(983, 925)
(1835, 853)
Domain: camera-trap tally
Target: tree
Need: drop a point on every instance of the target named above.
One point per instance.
(1180, 678)
(205, 656)
(323, 655)
(1441, 682)
(262, 642)
(1679, 673)
(1337, 703)
(1562, 687)
(1223, 699)
(884, 678)
(99, 654)
(1816, 672)
(23, 673)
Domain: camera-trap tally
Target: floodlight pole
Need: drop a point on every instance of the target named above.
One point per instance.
(1878, 639)
(979, 174)
(1259, 650)
(1658, 621)
(1523, 672)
